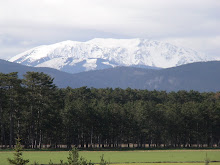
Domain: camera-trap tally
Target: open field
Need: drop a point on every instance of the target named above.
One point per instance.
(177, 157)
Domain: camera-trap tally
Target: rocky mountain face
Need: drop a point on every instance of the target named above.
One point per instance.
(96, 54)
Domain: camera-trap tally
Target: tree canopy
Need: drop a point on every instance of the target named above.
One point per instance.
(46, 116)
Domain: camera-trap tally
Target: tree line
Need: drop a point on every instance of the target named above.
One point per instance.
(46, 116)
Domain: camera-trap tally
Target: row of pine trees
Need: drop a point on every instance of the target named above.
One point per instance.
(46, 116)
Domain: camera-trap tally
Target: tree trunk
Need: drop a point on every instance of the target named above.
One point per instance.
(91, 138)
(11, 130)
(2, 126)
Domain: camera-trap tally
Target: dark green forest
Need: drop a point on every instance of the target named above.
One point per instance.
(45, 116)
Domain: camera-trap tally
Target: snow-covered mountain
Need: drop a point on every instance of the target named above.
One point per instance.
(74, 56)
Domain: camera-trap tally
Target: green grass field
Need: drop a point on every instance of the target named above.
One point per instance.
(180, 157)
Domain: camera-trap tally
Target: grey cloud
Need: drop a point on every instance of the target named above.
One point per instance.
(25, 23)
(11, 45)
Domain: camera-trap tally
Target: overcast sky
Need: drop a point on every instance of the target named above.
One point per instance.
(28, 23)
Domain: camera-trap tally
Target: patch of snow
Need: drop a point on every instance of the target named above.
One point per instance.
(107, 63)
(90, 64)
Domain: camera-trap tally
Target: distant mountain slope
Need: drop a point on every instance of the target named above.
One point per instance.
(197, 76)
(61, 79)
(75, 57)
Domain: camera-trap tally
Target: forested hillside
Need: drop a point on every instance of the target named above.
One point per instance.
(46, 116)
(203, 77)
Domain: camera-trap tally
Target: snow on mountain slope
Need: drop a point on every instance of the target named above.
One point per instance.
(73, 56)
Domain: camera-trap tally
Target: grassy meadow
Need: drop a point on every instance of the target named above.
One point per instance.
(157, 157)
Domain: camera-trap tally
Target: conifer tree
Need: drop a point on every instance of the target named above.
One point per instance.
(18, 160)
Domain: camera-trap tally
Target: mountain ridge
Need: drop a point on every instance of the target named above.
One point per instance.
(95, 54)
(201, 76)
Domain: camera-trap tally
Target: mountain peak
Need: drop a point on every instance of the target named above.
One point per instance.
(101, 53)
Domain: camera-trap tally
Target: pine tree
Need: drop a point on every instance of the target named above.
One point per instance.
(74, 159)
(18, 160)
(102, 161)
(40, 111)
